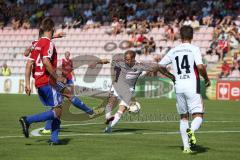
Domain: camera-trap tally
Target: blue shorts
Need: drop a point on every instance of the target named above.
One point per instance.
(49, 96)
(70, 81)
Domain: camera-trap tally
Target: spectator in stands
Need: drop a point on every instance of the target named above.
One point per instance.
(226, 28)
(146, 57)
(225, 69)
(235, 58)
(151, 45)
(217, 31)
(234, 73)
(26, 24)
(19, 2)
(133, 40)
(116, 27)
(44, 2)
(211, 57)
(237, 21)
(77, 22)
(143, 27)
(131, 4)
(170, 34)
(158, 21)
(195, 23)
(91, 24)
(131, 27)
(233, 28)
(226, 21)
(1, 21)
(222, 48)
(67, 21)
(141, 40)
(233, 42)
(6, 71)
(36, 17)
(16, 23)
(207, 21)
(88, 13)
(187, 21)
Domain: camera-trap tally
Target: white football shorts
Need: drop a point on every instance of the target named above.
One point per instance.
(189, 103)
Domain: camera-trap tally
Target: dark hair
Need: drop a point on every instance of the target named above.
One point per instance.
(186, 33)
(47, 25)
(131, 53)
(40, 32)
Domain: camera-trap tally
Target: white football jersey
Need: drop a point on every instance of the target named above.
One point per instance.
(184, 59)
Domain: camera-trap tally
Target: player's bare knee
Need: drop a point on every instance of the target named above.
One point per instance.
(122, 108)
(58, 111)
(184, 116)
(194, 115)
(68, 95)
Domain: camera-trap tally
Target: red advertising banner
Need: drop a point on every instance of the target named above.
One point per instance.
(228, 90)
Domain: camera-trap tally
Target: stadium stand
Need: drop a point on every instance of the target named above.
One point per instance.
(217, 19)
(78, 43)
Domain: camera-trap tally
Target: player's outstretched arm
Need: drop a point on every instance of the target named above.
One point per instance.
(165, 72)
(27, 76)
(101, 61)
(203, 73)
(51, 71)
(59, 35)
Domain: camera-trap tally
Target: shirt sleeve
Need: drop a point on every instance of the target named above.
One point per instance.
(198, 57)
(147, 66)
(115, 63)
(31, 57)
(47, 49)
(166, 60)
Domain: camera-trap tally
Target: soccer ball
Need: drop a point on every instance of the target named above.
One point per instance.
(134, 107)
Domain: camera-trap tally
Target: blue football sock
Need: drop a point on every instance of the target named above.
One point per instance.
(48, 115)
(55, 130)
(80, 105)
(48, 125)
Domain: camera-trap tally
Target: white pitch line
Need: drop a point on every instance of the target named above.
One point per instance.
(1, 137)
(143, 133)
(35, 132)
(123, 134)
(144, 122)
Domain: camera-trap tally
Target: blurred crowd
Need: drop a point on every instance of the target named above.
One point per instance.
(141, 14)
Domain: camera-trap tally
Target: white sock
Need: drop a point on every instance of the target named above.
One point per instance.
(183, 127)
(117, 117)
(196, 123)
(108, 111)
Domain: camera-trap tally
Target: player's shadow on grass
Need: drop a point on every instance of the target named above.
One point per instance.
(200, 149)
(63, 141)
(197, 150)
(65, 130)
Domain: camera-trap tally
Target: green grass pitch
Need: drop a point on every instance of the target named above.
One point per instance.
(134, 138)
